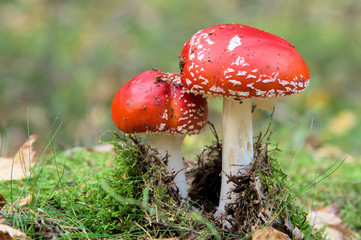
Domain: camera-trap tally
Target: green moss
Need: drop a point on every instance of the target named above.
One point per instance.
(84, 191)
(106, 198)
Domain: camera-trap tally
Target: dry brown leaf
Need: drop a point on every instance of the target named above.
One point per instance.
(8, 233)
(336, 229)
(18, 203)
(19, 166)
(26, 200)
(270, 233)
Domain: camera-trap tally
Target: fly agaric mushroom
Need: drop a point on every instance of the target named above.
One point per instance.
(155, 104)
(240, 63)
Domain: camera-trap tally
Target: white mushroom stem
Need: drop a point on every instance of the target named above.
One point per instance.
(237, 146)
(171, 145)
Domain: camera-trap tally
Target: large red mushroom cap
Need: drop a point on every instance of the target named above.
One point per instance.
(154, 102)
(235, 60)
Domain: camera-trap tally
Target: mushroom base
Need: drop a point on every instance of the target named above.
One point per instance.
(170, 145)
(254, 201)
(237, 150)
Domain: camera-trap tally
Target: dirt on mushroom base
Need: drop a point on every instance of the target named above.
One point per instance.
(205, 177)
(263, 196)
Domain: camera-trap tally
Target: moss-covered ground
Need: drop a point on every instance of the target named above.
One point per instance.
(128, 194)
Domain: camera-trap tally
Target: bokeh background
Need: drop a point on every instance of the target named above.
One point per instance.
(68, 58)
(63, 61)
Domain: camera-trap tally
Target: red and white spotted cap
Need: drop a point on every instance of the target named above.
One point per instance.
(153, 102)
(235, 60)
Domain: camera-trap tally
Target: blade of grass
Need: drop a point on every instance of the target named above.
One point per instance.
(322, 176)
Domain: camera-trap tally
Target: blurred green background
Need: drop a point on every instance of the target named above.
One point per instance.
(68, 59)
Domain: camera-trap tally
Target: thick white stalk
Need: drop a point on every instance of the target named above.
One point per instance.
(237, 145)
(172, 144)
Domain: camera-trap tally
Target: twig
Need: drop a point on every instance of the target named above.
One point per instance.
(144, 230)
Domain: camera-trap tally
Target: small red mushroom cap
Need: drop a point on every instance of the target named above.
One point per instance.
(155, 102)
(235, 60)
